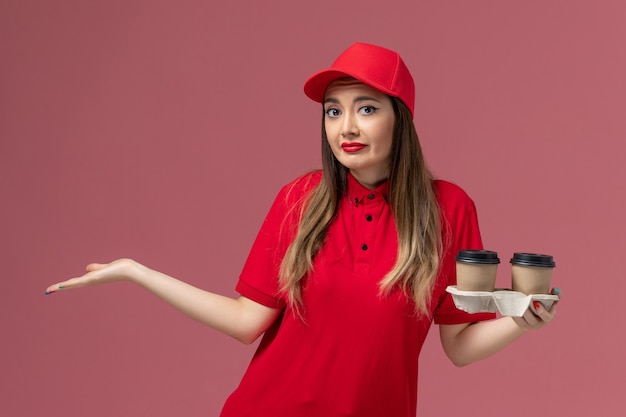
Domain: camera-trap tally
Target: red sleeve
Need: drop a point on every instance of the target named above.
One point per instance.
(460, 231)
(259, 278)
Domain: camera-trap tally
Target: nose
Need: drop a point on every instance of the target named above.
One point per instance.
(349, 126)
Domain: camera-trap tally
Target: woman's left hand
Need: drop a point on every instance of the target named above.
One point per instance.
(533, 320)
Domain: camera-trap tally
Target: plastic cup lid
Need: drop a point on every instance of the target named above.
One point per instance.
(477, 257)
(533, 259)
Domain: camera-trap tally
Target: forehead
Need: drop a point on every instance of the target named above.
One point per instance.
(351, 86)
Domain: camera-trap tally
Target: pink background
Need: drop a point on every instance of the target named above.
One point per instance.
(162, 130)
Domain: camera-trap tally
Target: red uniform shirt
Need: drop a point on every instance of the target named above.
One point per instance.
(355, 353)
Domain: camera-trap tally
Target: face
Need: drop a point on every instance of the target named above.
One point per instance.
(359, 126)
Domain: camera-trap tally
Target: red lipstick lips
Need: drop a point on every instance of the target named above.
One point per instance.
(352, 146)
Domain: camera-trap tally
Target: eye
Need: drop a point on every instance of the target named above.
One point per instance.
(368, 110)
(332, 112)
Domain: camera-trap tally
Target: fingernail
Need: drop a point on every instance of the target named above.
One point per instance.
(49, 292)
(557, 291)
(536, 304)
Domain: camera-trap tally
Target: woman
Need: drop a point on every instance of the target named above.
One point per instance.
(350, 266)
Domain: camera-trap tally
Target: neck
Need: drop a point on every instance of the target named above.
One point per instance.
(370, 180)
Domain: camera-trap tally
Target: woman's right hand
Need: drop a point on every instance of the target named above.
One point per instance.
(120, 270)
(241, 318)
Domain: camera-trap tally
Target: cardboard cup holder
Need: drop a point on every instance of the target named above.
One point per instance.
(506, 302)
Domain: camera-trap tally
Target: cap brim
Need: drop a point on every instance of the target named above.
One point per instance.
(315, 87)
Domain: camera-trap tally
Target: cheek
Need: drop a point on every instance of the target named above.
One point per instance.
(385, 137)
(335, 149)
(330, 129)
(331, 134)
(332, 144)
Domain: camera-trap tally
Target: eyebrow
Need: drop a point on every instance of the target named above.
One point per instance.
(356, 100)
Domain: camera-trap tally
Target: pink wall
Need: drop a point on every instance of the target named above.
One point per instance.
(162, 130)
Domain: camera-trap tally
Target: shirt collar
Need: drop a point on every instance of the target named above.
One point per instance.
(359, 193)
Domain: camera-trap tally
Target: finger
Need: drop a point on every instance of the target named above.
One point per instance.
(525, 321)
(532, 319)
(545, 315)
(60, 286)
(94, 267)
(74, 282)
(53, 288)
(96, 274)
(71, 283)
(522, 323)
(552, 310)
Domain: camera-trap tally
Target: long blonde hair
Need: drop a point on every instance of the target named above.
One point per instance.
(414, 207)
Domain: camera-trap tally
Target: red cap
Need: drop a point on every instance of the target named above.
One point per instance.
(378, 67)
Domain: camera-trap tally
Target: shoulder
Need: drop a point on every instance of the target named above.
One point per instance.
(305, 182)
(296, 191)
(287, 206)
(448, 191)
(302, 185)
(451, 197)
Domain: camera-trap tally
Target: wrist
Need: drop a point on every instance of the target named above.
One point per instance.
(139, 273)
(132, 271)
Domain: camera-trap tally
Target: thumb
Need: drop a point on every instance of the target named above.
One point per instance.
(94, 267)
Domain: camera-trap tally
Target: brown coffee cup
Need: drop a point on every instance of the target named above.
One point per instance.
(531, 273)
(476, 270)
